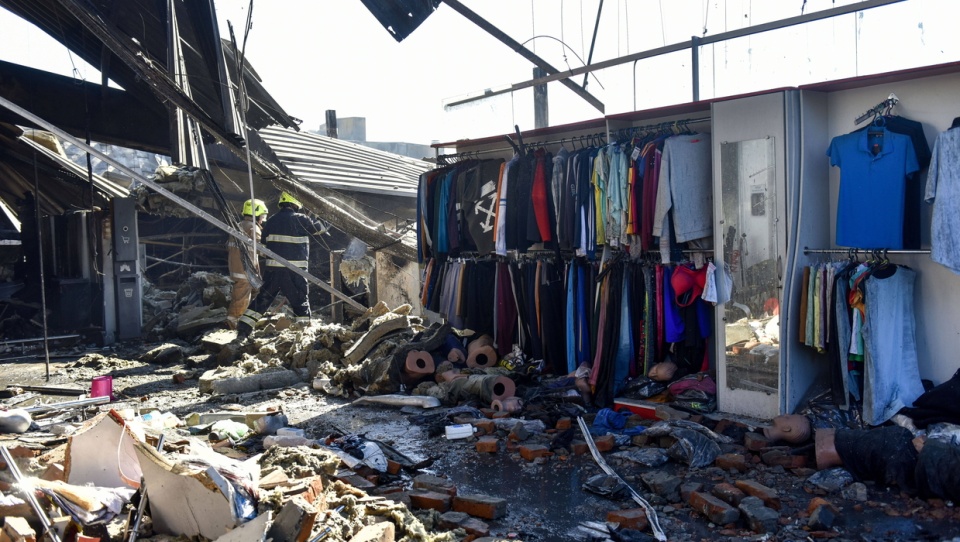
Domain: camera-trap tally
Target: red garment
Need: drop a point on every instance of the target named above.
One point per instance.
(539, 194)
(651, 179)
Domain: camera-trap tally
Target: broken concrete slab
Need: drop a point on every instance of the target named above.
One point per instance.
(254, 530)
(184, 500)
(165, 354)
(233, 380)
(371, 338)
(215, 340)
(194, 320)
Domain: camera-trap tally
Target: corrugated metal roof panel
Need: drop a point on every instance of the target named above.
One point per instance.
(344, 165)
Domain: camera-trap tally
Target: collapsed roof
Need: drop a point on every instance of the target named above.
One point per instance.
(128, 42)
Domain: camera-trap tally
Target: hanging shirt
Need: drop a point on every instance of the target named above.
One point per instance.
(891, 375)
(943, 191)
(558, 189)
(685, 187)
(501, 229)
(479, 205)
(873, 166)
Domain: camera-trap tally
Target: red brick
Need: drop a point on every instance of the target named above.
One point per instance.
(480, 506)
(314, 493)
(722, 426)
(564, 424)
(294, 521)
(728, 493)
(393, 467)
(579, 447)
(716, 510)
(519, 433)
(784, 459)
(769, 496)
(640, 440)
(687, 489)
(430, 500)
(634, 518)
(489, 445)
(500, 414)
(820, 501)
(732, 461)
(451, 520)
(430, 482)
(605, 443)
(533, 451)
(511, 446)
(488, 427)
(475, 527)
(488, 412)
(358, 482)
(755, 441)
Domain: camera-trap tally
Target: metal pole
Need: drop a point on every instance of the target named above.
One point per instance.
(43, 276)
(756, 29)
(593, 41)
(541, 108)
(68, 404)
(524, 52)
(331, 116)
(695, 66)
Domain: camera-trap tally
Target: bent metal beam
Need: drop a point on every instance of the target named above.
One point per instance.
(178, 200)
(167, 91)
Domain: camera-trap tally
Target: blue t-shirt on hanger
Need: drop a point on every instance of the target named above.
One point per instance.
(874, 165)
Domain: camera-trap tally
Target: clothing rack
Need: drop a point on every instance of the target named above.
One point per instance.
(882, 108)
(596, 139)
(599, 138)
(856, 251)
(624, 132)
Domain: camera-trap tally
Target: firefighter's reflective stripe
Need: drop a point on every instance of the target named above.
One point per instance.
(302, 264)
(299, 239)
(241, 276)
(250, 317)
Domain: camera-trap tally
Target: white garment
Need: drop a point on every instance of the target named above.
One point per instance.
(943, 191)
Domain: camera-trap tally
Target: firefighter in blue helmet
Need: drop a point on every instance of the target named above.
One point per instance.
(287, 233)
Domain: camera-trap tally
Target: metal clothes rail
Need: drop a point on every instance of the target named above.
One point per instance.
(598, 138)
(856, 251)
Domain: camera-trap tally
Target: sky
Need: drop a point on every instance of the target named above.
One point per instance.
(333, 54)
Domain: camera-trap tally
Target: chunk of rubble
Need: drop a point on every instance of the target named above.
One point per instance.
(233, 380)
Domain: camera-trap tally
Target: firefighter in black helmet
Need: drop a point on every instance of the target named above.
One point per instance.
(287, 233)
